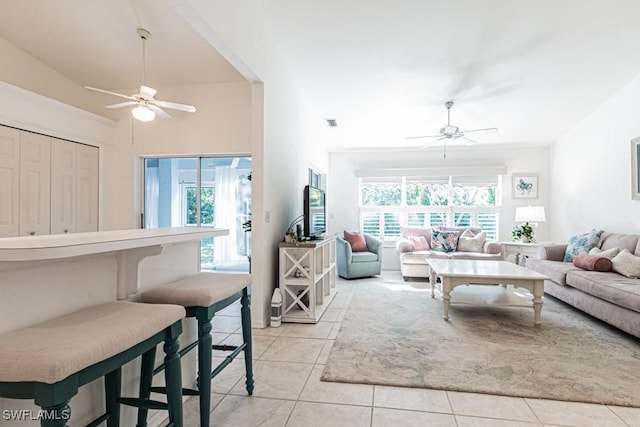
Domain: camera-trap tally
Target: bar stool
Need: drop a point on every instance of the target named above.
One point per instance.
(49, 361)
(203, 295)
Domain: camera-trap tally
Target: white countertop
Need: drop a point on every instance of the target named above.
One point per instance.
(33, 248)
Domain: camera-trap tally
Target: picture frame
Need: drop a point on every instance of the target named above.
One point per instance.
(525, 186)
(635, 173)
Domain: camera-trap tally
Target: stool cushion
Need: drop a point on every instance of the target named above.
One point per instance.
(201, 290)
(51, 351)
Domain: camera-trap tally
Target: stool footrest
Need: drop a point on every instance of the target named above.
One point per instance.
(228, 360)
(102, 418)
(143, 403)
(185, 391)
(224, 347)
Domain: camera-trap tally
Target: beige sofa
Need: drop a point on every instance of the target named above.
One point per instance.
(608, 296)
(413, 263)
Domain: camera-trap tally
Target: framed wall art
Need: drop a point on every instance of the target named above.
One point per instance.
(525, 186)
(635, 173)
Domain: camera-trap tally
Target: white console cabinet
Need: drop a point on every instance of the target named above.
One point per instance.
(307, 279)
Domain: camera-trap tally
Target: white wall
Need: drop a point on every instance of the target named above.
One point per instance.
(342, 193)
(591, 170)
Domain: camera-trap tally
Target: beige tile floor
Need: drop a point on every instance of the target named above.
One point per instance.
(288, 362)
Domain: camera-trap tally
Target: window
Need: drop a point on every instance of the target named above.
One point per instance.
(388, 203)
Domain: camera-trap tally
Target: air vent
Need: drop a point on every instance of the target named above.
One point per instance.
(333, 123)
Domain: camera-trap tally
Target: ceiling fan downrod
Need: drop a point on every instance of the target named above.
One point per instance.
(144, 35)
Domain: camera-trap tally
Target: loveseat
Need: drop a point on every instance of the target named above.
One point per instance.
(608, 296)
(416, 245)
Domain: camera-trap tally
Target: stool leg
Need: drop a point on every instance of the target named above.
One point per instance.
(112, 383)
(146, 379)
(173, 376)
(56, 415)
(245, 312)
(204, 366)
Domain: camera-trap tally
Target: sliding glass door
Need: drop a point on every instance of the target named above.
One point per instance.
(202, 191)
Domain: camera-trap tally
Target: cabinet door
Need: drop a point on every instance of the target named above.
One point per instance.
(63, 186)
(87, 188)
(35, 172)
(9, 181)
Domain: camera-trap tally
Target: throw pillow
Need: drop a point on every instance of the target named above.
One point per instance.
(609, 253)
(627, 264)
(582, 244)
(444, 241)
(419, 243)
(356, 240)
(592, 262)
(471, 242)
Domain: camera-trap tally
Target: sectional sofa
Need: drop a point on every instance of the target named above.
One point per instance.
(608, 296)
(413, 258)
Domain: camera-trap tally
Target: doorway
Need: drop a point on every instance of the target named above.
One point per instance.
(202, 191)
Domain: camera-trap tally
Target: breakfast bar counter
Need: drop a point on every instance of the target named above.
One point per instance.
(44, 277)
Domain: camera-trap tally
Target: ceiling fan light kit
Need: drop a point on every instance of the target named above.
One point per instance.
(143, 113)
(146, 106)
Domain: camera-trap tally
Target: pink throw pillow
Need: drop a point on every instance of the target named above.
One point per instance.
(592, 262)
(419, 243)
(356, 240)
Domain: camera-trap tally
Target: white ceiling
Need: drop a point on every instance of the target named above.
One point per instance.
(382, 68)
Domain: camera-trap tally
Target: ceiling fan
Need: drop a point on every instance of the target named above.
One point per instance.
(147, 107)
(452, 132)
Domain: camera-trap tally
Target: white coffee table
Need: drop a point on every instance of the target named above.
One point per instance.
(454, 273)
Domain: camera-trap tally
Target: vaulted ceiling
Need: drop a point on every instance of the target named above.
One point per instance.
(382, 69)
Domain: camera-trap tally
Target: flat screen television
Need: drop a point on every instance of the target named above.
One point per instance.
(315, 213)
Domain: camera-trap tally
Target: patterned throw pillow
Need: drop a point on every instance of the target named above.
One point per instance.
(444, 241)
(582, 244)
(419, 243)
(471, 242)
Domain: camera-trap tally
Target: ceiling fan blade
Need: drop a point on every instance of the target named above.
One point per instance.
(159, 111)
(491, 130)
(147, 92)
(467, 141)
(430, 143)
(121, 104)
(95, 89)
(176, 106)
(424, 136)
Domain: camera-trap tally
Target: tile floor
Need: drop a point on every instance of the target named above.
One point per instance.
(288, 392)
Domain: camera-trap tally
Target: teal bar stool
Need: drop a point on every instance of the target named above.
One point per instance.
(203, 295)
(50, 361)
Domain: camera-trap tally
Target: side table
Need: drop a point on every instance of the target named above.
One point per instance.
(521, 250)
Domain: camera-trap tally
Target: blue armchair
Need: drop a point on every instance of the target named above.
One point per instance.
(352, 265)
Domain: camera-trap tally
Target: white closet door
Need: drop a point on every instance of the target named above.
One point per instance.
(63, 186)
(87, 188)
(9, 181)
(35, 172)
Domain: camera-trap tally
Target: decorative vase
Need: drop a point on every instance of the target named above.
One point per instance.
(525, 239)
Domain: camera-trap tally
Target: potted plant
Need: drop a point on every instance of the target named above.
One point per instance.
(523, 233)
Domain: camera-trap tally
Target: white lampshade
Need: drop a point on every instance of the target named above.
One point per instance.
(530, 214)
(143, 113)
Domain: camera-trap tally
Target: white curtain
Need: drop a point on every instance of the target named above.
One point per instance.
(226, 183)
(152, 196)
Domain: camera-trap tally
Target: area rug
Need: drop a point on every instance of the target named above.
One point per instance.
(395, 336)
